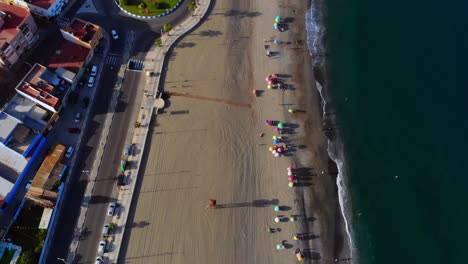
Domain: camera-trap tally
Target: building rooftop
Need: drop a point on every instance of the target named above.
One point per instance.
(35, 85)
(7, 125)
(42, 3)
(81, 29)
(27, 111)
(70, 56)
(5, 187)
(41, 179)
(11, 17)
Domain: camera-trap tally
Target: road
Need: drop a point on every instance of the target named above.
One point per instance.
(104, 190)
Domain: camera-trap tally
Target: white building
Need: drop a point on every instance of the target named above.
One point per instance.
(44, 8)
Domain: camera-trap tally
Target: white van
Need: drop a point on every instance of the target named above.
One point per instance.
(105, 230)
(94, 70)
(70, 151)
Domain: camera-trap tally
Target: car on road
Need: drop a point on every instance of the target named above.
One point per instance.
(123, 165)
(114, 34)
(102, 247)
(73, 130)
(99, 261)
(91, 81)
(70, 151)
(105, 230)
(94, 70)
(111, 209)
(29, 184)
(127, 150)
(78, 117)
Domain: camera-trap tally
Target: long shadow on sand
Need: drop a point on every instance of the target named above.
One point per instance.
(255, 203)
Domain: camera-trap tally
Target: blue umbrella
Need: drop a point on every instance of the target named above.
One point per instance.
(276, 25)
(276, 41)
(278, 18)
(275, 141)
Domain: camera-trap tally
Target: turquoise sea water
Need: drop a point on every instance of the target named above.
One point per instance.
(403, 65)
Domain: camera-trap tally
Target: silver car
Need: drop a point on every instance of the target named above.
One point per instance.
(102, 247)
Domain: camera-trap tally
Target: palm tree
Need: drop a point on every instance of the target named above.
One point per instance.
(192, 6)
(167, 28)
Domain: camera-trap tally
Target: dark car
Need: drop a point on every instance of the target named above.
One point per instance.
(73, 130)
(121, 180)
(85, 102)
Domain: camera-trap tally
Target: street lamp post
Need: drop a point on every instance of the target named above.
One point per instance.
(63, 260)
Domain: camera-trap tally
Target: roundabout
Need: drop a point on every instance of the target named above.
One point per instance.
(148, 9)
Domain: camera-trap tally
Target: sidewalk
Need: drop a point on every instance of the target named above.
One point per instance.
(151, 102)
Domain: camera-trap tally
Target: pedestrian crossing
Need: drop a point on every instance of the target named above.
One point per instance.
(113, 60)
(137, 65)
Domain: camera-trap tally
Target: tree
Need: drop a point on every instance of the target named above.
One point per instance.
(136, 124)
(192, 7)
(167, 28)
(158, 42)
(26, 257)
(123, 2)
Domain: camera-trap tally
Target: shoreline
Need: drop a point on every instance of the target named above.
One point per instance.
(320, 71)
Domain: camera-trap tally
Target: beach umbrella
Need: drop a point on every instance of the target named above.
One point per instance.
(280, 150)
(276, 41)
(277, 155)
(267, 78)
(277, 219)
(275, 147)
(269, 87)
(278, 17)
(276, 25)
(276, 141)
(292, 219)
(289, 168)
(290, 173)
(279, 246)
(274, 75)
(291, 178)
(275, 137)
(270, 82)
(270, 148)
(277, 208)
(277, 129)
(291, 184)
(280, 125)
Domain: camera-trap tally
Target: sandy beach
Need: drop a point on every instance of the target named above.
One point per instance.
(207, 144)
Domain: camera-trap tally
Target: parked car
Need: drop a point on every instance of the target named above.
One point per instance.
(99, 261)
(121, 180)
(123, 165)
(29, 184)
(114, 34)
(91, 81)
(127, 150)
(94, 70)
(70, 151)
(78, 117)
(111, 209)
(102, 247)
(105, 230)
(73, 130)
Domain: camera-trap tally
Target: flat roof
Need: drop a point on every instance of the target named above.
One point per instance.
(15, 15)
(7, 125)
(5, 187)
(70, 56)
(25, 110)
(37, 87)
(40, 179)
(81, 29)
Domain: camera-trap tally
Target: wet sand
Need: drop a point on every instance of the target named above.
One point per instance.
(207, 145)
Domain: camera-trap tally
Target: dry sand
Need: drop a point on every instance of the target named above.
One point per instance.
(207, 145)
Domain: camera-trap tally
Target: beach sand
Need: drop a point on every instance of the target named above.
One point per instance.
(206, 145)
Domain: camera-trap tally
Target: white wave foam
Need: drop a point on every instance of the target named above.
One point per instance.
(315, 32)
